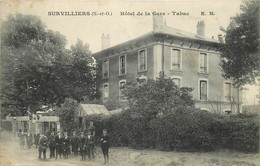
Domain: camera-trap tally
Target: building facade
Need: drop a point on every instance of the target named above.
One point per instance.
(191, 60)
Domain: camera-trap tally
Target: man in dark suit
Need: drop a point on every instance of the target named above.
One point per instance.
(43, 144)
(75, 144)
(90, 145)
(65, 145)
(82, 141)
(58, 141)
(52, 144)
(36, 138)
(29, 140)
(105, 144)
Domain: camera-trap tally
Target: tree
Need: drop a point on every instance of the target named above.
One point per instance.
(240, 58)
(157, 97)
(37, 69)
(66, 114)
(81, 74)
(28, 55)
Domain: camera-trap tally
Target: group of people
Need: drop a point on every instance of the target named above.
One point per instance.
(26, 137)
(63, 145)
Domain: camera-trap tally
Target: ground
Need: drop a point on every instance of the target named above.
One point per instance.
(12, 155)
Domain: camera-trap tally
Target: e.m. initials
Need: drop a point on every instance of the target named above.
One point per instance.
(209, 13)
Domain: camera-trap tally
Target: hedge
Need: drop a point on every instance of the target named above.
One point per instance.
(181, 130)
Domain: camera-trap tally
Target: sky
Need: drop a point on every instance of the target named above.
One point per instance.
(122, 28)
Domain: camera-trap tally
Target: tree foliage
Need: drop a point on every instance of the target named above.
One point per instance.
(66, 114)
(160, 96)
(37, 69)
(240, 58)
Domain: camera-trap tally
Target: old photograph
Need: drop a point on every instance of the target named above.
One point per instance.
(130, 83)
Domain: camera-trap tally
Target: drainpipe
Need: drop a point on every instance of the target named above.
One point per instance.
(163, 58)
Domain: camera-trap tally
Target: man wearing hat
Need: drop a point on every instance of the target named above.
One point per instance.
(75, 143)
(58, 142)
(105, 144)
(82, 141)
(43, 144)
(52, 144)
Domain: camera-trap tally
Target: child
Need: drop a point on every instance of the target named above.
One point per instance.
(105, 144)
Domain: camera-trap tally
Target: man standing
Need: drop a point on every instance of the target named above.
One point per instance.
(43, 144)
(91, 128)
(75, 144)
(36, 138)
(58, 141)
(21, 139)
(52, 145)
(82, 141)
(65, 145)
(29, 140)
(105, 144)
(90, 146)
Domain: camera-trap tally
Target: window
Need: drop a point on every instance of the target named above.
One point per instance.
(203, 90)
(142, 61)
(228, 112)
(203, 61)
(176, 60)
(227, 91)
(105, 91)
(142, 80)
(177, 82)
(105, 69)
(121, 87)
(122, 65)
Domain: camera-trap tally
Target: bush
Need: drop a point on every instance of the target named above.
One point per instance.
(181, 130)
(242, 133)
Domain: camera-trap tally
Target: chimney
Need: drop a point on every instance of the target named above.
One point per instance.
(220, 38)
(201, 28)
(157, 22)
(105, 41)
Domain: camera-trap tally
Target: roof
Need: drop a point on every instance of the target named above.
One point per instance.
(183, 34)
(117, 111)
(22, 118)
(48, 119)
(91, 109)
(165, 30)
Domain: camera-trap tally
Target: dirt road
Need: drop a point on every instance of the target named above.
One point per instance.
(12, 155)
